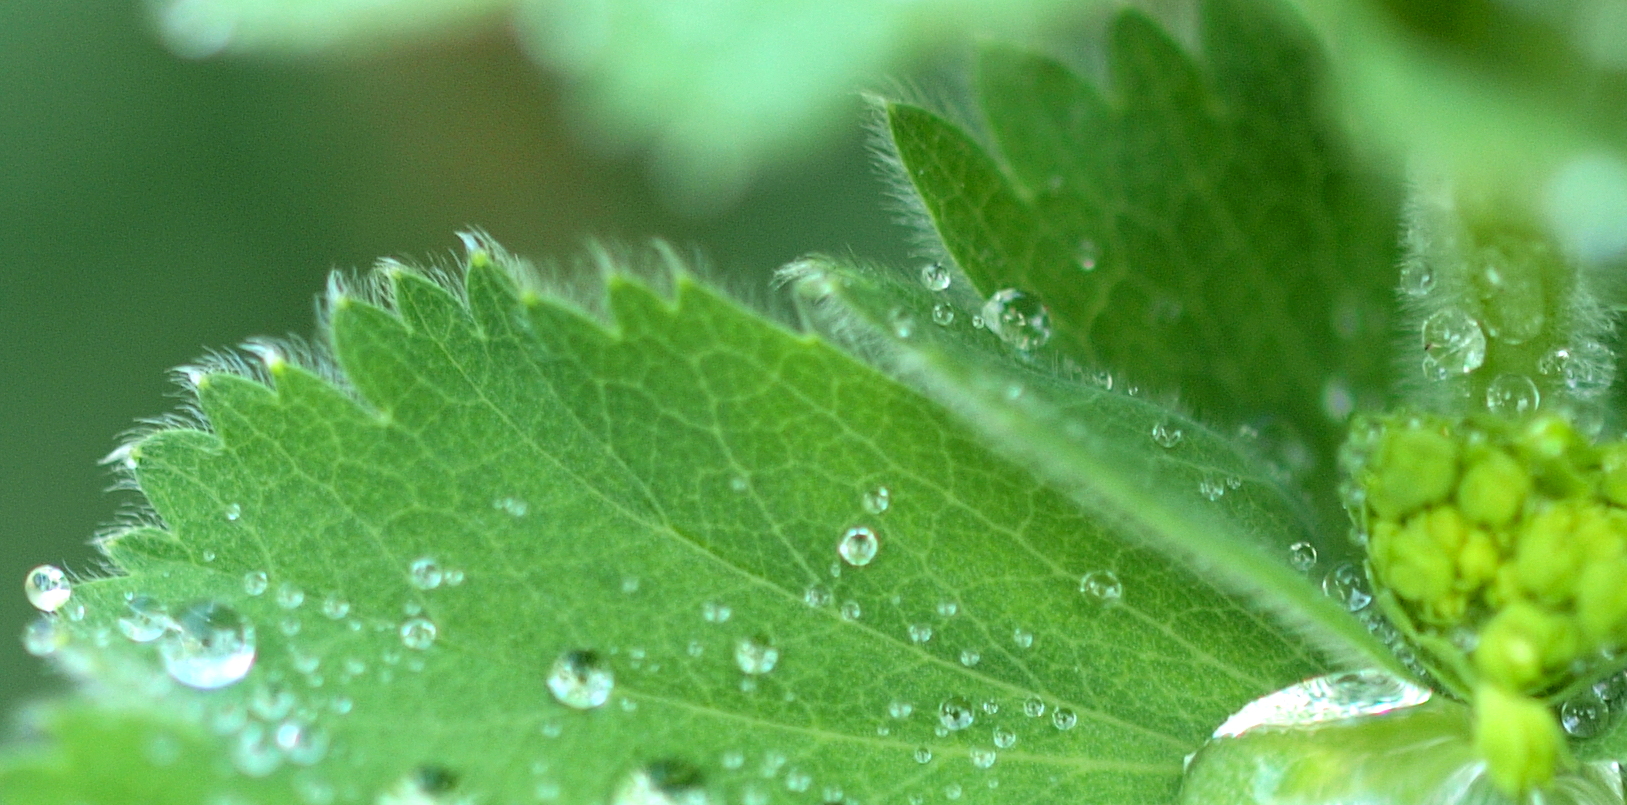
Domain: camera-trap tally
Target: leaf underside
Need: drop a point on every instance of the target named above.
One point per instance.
(616, 488)
(1195, 228)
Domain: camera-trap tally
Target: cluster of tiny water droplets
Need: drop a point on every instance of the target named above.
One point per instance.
(1019, 319)
(1453, 344)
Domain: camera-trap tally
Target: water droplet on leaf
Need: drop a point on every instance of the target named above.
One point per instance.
(1166, 435)
(1302, 555)
(47, 587)
(878, 500)
(1018, 319)
(713, 612)
(43, 636)
(418, 633)
(955, 713)
(1347, 585)
(1512, 395)
(755, 655)
(1453, 343)
(581, 680)
(289, 596)
(146, 620)
(1102, 585)
(425, 573)
(935, 277)
(210, 646)
(943, 315)
(858, 546)
(255, 582)
(920, 632)
(1063, 719)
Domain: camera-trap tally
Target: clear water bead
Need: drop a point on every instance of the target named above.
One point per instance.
(43, 636)
(418, 633)
(713, 612)
(664, 782)
(1584, 716)
(935, 277)
(1064, 719)
(47, 587)
(233, 512)
(1453, 344)
(920, 632)
(900, 710)
(1033, 707)
(955, 713)
(1018, 319)
(1212, 489)
(1166, 435)
(1102, 585)
(817, 596)
(1022, 637)
(1417, 279)
(255, 582)
(289, 596)
(1585, 368)
(943, 315)
(210, 646)
(581, 680)
(948, 609)
(1512, 395)
(982, 758)
(970, 657)
(923, 755)
(425, 573)
(851, 611)
(335, 607)
(1347, 585)
(1302, 555)
(1334, 697)
(755, 655)
(146, 621)
(858, 546)
(1004, 738)
(878, 500)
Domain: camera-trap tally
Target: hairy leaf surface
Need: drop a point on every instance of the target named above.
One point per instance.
(657, 491)
(1198, 228)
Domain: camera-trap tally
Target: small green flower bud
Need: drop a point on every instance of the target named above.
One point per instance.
(1477, 561)
(1493, 489)
(1519, 739)
(1522, 643)
(1547, 556)
(1412, 562)
(1415, 468)
(1613, 483)
(1601, 602)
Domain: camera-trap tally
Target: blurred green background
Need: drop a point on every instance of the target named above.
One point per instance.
(152, 208)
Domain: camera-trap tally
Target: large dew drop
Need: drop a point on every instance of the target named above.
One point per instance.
(210, 646)
(858, 546)
(47, 587)
(425, 573)
(755, 655)
(1453, 344)
(1018, 319)
(1326, 698)
(581, 680)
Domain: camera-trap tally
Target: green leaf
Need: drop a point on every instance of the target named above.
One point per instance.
(1165, 479)
(1198, 229)
(655, 490)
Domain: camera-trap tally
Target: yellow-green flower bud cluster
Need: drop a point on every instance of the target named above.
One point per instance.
(1516, 533)
(1500, 548)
